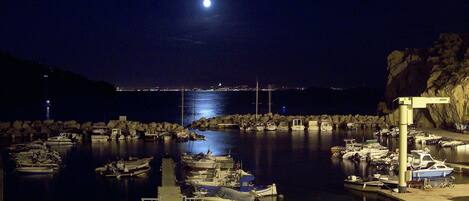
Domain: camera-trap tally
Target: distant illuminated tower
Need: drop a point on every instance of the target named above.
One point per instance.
(47, 101)
(48, 104)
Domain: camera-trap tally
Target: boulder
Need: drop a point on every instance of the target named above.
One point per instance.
(442, 71)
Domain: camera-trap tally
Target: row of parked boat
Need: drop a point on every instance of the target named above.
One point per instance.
(424, 138)
(421, 164)
(102, 135)
(420, 161)
(35, 158)
(296, 125)
(218, 178)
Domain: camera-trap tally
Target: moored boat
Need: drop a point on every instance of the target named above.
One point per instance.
(125, 168)
(326, 126)
(356, 183)
(35, 169)
(271, 126)
(297, 125)
(435, 170)
(313, 125)
(59, 140)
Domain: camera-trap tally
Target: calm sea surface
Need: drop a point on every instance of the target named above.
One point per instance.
(298, 162)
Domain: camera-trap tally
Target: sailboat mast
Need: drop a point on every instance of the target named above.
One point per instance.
(257, 98)
(193, 109)
(270, 98)
(182, 107)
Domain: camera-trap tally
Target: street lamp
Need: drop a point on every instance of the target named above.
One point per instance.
(406, 106)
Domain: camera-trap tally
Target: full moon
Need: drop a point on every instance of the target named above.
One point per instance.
(207, 3)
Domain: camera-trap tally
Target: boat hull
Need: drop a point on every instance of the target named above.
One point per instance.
(431, 173)
(35, 170)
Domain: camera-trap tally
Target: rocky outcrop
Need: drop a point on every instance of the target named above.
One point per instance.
(442, 70)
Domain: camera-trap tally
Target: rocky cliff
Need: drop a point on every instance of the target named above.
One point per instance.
(442, 70)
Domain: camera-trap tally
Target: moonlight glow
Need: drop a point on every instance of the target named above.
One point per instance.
(207, 3)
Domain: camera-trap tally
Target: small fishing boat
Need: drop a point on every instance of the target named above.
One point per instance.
(452, 143)
(99, 138)
(271, 126)
(59, 140)
(131, 173)
(121, 138)
(283, 126)
(313, 125)
(427, 139)
(326, 126)
(351, 126)
(99, 130)
(125, 168)
(36, 169)
(207, 161)
(356, 183)
(259, 126)
(297, 125)
(151, 136)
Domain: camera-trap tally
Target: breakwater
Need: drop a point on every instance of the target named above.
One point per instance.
(46, 128)
(338, 121)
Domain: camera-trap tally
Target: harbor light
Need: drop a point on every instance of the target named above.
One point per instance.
(207, 3)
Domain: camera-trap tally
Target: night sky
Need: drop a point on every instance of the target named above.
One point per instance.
(180, 42)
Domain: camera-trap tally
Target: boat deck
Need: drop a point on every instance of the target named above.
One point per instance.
(168, 191)
(459, 192)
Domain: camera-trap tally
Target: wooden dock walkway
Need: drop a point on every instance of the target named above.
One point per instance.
(168, 191)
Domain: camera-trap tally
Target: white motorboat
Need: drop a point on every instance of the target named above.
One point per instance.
(427, 139)
(35, 170)
(121, 138)
(326, 126)
(123, 168)
(421, 159)
(271, 126)
(99, 130)
(435, 170)
(313, 125)
(259, 126)
(351, 126)
(151, 136)
(59, 140)
(283, 126)
(207, 161)
(452, 143)
(297, 125)
(99, 138)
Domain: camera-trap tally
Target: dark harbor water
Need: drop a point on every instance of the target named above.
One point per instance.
(298, 162)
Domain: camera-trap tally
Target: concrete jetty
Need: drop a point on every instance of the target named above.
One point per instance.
(169, 191)
(459, 192)
(448, 134)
